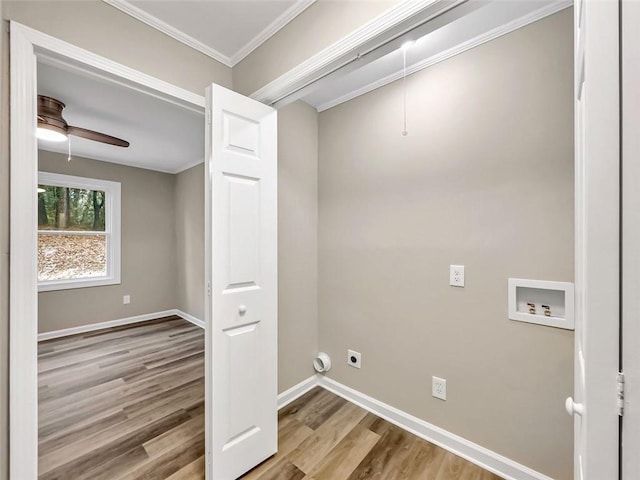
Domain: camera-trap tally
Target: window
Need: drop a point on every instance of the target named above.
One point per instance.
(78, 232)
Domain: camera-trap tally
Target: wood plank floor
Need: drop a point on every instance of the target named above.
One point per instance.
(324, 437)
(123, 403)
(127, 403)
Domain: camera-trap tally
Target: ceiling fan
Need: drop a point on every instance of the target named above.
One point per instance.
(52, 126)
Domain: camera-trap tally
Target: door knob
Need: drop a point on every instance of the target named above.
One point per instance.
(573, 408)
(242, 309)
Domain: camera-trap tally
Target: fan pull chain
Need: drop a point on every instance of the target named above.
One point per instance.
(69, 145)
(404, 90)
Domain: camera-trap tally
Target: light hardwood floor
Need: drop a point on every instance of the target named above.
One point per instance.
(128, 403)
(324, 437)
(123, 403)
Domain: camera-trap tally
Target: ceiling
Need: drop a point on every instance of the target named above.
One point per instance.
(226, 30)
(163, 136)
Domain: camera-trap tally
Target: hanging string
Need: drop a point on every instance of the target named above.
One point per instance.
(69, 145)
(404, 90)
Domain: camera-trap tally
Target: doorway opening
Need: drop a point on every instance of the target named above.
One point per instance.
(107, 227)
(120, 282)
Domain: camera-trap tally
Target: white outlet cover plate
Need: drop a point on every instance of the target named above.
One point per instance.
(439, 388)
(126, 299)
(358, 359)
(456, 275)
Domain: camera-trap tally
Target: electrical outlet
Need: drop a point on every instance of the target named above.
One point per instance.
(354, 359)
(456, 275)
(439, 388)
(126, 300)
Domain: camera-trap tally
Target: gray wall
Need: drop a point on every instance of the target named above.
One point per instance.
(189, 231)
(148, 249)
(484, 179)
(297, 242)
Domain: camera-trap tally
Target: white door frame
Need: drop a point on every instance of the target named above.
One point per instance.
(631, 238)
(26, 46)
(597, 235)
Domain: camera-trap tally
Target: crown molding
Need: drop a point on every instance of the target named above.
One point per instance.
(292, 12)
(274, 27)
(167, 29)
(509, 27)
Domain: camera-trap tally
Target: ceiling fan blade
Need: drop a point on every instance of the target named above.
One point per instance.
(96, 136)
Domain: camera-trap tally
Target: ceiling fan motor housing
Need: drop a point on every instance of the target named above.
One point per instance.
(50, 114)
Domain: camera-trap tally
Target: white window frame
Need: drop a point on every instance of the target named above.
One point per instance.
(112, 220)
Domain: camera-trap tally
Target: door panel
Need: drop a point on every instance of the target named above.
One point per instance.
(242, 273)
(243, 223)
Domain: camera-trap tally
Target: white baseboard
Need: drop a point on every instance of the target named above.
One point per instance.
(483, 457)
(111, 323)
(295, 392)
(118, 323)
(190, 318)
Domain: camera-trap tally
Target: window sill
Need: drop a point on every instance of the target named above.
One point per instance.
(79, 283)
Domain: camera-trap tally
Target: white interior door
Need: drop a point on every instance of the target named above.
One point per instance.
(594, 404)
(242, 272)
(631, 237)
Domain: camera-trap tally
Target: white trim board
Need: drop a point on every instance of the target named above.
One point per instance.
(65, 55)
(92, 327)
(190, 318)
(298, 390)
(230, 61)
(169, 30)
(543, 12)
(474, 453)
(270, 30)
(401, 17)
(23, 281)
